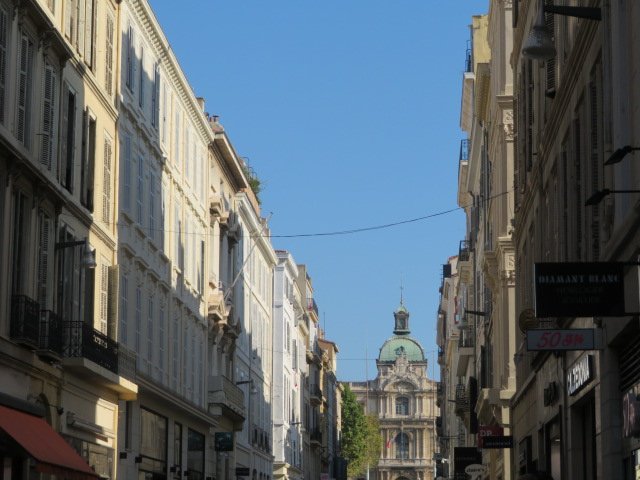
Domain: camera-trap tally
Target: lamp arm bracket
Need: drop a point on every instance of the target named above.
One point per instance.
(590, 13)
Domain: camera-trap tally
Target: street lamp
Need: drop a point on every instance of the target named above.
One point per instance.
(88, 255)
(244, 382)
(619, 154)
(599, 195)
(539, 45)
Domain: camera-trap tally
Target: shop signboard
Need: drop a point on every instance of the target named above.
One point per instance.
(580, 374)
(223, 441)
(630, 415)
(502, 441)
(550, 339)
(462, 458)
(579, 289)
(242, 471)
(488, 431)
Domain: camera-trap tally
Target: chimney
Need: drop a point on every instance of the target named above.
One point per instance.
(201, 103)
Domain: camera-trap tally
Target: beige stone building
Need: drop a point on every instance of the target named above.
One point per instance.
(58, 235)
(404, 399)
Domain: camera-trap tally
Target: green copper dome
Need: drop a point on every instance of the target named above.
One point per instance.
(401, 345)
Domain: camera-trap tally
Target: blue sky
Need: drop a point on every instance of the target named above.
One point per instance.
(348, 111)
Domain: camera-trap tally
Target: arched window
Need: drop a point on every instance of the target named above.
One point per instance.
(402, 406)
(402, 446)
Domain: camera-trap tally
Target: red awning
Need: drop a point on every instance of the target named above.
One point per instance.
(50, 451)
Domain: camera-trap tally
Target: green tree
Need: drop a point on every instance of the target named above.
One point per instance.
(361, 440)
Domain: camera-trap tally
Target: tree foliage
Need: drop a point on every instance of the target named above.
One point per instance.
(361, 440)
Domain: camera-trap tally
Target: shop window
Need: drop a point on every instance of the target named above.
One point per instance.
(195, 455)
(153, 445)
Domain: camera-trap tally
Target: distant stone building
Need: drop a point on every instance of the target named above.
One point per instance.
(405, 401)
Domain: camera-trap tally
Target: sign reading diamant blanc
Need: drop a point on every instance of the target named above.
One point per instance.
(579, 289)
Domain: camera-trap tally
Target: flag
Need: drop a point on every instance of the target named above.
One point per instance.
(390, 440)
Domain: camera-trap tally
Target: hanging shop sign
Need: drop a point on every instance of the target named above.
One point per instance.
(556, 339)
(580, 374)
(579, 289)
(462, 458)
(501, 441)
(223, 442)
(488, 431)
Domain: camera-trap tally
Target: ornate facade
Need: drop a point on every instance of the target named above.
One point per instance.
(404, 400)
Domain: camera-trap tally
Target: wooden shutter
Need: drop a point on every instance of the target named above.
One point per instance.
(108, 74)
(112, 301)
(152, 206)
(549, 20)
(124, 309)
(89, 30)
(140, 190)
(4, 25)
(104, 297)
(106, 181)
(23, 89)
(126, 182)
(43, 259)
(48, 117)
(64, 125)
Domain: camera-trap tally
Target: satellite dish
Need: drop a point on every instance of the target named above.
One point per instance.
(527, 320)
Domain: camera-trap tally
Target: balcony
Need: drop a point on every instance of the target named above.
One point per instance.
(312, 306)
(315, 437)
(81, 340)
(24, 326)
(464, 251)
(226, 399)
(315, 394)
(461, 401)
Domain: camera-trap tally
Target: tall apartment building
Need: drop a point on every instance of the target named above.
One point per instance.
(58, 212)
(485, 263)
(254, 353)
(575, 120)
(287, 386)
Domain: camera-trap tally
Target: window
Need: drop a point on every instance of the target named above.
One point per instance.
(104, 298)
(124, 308)
(106, 181)
(70, 20)
(155, 96)
(70, 278)
(25, 87)
(150, 333)
(175, 354)
(20, 239)
(138, 319)
(87, 164)
(152, 206)
(141, 79)
(195, 455)
(89, 29)
(153, 444)
(161, 340)
(48, 137)
(402, 446)
(402, 406)
(4, 37)
(126, 181)
(178, 260)
(67, 138)
(177, 449)
(45, 225)
(176, 140)
(129, 44)
(140, 190)
(108, 62)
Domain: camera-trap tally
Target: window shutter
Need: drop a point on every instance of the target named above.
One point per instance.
(126, 182)
(106, 182)
(141, 79)
(161, 340)
(124, 309)
(23, 87)
(594, 127)
(152, 206)
(138, 320)
(131, 51)
(104, 298)
(43, 260)
(112, 301)
(80, 33)
(89, 33)
(4, 25)
(140, 190)
(549, 20)
(108, 74)
(48, 117)
(64, 126)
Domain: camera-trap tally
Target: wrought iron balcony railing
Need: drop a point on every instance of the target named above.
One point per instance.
(467, 337)
(82, 340)
(316, 435)
(24, 326)
(50, 333)
(464, 252)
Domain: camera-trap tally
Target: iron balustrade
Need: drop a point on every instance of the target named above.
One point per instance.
(467, 337)
(465, 145)
(50, 332)
(464, 252)
(84, 341)
(315, 390)
(312, 305)
(316, 435)
(25, 321)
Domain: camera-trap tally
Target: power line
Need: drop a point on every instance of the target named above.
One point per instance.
(333, 233)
